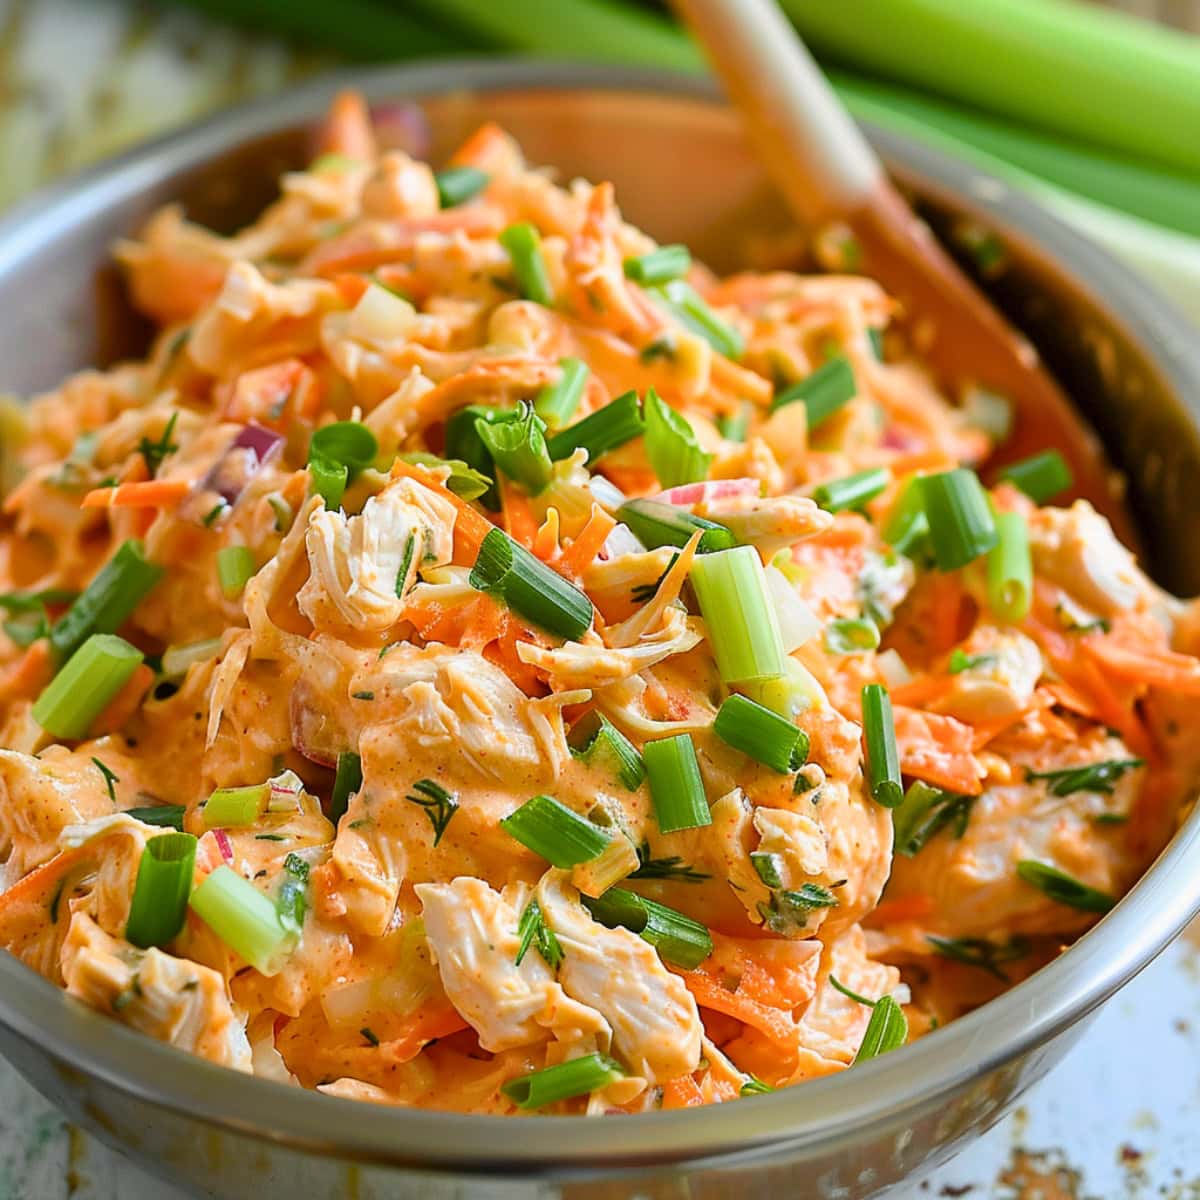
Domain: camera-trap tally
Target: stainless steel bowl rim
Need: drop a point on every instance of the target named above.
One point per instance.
(842, 1107)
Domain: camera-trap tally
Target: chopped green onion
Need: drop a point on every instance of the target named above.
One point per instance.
(660, 265)
(671, 446)
(177, 659)
(457, 185)
(518, 448)
(524, 246)
(687, 306)
(851, 635)
(88, 681)
(463, 479)
(556, 403)
(578, 1077)
(676, 788)
(960, 661)
(743, 629)
(755, 1087)
(887, 1030)
(167, 816)
(1063, 888)
(464, 444)
(106, 603)
(547, 827)
(235, 806)
(676, 937)
(875, 338)
(243, 918)
(336, 453)
(596, 741)
(907, 526)
(924, 812)
(608, 428)
(334, 162)
(656, 524)
(1041, 477)
(853, 491)
(961, 526)
(235, 567)
(736, 425)
(1099, 777)
(160, 895)
(347, 780)
(762, 734)
(531, 589)
(533, 931)
(438, 804)
(348, 442)
(1010, 569)
(329, 480)
(826, 390)
(883, 759)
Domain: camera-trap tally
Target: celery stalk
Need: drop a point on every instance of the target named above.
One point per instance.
(1076, 69)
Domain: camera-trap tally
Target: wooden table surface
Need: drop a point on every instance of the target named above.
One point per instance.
(1116, 1121)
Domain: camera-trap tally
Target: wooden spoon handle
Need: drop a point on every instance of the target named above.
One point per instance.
(805, 139)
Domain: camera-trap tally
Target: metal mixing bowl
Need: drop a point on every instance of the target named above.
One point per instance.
(683, 173)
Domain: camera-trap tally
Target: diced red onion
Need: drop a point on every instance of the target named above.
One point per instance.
(223, 844)
(402, 127)
(246, 455)
(689, 494)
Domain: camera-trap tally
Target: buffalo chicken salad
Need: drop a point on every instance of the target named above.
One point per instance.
(481, 660)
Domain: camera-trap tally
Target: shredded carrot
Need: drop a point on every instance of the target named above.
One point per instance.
(682, 1092)
(29, 674)
(276, 394)
(1157, 668)
(774, 1023)
(351, 287)
(125, 703)
(923, 689)
(150, 493)
(903, 908)
(520, 521)
(487, 148)
(347, 129)
(470, 526)
(36, 888)
(425, 1025)
(583, 550)
(393, 241)
(937, 749)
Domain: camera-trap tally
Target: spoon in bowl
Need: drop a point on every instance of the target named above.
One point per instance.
(828, 173)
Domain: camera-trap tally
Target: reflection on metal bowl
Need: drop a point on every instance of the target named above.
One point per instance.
(683, 173)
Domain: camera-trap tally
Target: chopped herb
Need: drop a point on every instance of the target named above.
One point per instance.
(270, 837)
(788, 911)
(363, 696)
(370, 1035)
(767, 866)
(347, 781)
(210, 518)
(56, 900)
(642, 593)
(533, 931)
(754, 1087)
(405, 563)
(672, 867)
(439, 805)
(155, 452)
(960, 662)
(292, 902)
(1078, 621)
(979, 952)
(663, 347)
(924, 812)
(1110, 818)
(841, 987)
(1064, 888)
(109, 779)
(295, 865)
(167, 816)
(1093, 777)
